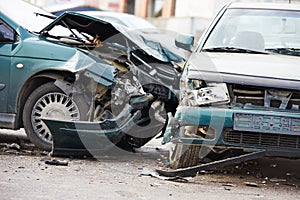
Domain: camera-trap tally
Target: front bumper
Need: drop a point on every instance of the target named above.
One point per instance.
(277, 131)
(83, 138)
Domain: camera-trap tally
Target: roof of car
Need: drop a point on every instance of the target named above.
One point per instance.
(276, 6)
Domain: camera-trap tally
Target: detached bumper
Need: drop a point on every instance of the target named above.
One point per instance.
(82, 138)
(278, 132)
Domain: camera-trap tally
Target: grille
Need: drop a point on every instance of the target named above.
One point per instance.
(261, 139)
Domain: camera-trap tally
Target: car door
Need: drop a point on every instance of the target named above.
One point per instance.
(6, 40)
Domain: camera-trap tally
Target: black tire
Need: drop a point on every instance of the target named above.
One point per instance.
(183, 155)
(142, 133)
(49, 101)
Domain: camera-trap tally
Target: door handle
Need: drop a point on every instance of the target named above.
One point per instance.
(2, 86)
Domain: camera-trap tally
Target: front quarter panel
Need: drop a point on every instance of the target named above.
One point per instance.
(32, 56)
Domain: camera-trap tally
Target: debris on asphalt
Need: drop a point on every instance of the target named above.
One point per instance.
(57, 162)
(228, 185)
(22, 148)
(251, 184)
(155, 184)
(277, 180)
(205, 172)
(14, 146)
(152, 173)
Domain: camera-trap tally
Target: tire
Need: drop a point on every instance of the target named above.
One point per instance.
(183, 155)
(49, 101)
(142, 133)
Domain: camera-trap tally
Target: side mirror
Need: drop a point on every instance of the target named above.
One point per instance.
(185, 41)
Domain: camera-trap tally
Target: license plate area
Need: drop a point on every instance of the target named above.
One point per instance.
(266, 123)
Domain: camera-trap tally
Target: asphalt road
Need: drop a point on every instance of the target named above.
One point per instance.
(26, 175)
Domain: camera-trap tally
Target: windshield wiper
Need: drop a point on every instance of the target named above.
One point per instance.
(234, 50)
(44, 15)
(285, 51)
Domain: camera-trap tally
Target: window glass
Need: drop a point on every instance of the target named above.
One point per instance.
(6, 33)
(276, 28)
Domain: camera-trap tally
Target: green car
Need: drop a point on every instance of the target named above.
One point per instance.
(42, 78)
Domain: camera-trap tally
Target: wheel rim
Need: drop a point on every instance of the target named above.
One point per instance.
(52, 105)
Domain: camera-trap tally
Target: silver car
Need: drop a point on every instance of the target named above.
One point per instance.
(240, 89)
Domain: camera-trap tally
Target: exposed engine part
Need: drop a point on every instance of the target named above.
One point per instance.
(158, 108)
(275, 95)
(247, 96)
(160, 92)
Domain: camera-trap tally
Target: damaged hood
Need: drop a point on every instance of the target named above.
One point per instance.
(157, 44)
(271, 70)
(154, 43)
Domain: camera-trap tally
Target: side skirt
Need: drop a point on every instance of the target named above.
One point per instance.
(8, 120)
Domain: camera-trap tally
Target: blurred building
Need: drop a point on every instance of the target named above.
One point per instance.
(189, 16)
(151, 8)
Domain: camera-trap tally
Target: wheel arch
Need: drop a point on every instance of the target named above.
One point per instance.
(33, 82)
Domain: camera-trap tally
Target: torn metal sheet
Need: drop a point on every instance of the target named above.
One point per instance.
(193, 171)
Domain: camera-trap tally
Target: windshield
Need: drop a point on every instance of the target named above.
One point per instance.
(25, 15)
(275, 31)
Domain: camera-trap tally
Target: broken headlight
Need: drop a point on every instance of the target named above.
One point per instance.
(198, 93)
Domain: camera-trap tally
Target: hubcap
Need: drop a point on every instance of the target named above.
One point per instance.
(56, 106)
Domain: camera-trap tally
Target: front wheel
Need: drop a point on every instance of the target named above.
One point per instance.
(48, 101)
(183, 155)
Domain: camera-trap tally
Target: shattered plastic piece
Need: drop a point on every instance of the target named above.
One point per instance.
(57, 162)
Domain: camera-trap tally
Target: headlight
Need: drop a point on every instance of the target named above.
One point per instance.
(210, 93)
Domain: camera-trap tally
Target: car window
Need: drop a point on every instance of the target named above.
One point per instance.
(267, 29)
(7, 34)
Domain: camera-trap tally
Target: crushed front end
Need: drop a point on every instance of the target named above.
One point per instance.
(112, 106)
(216, 117)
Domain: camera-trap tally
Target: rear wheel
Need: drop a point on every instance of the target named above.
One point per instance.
(48, 101)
